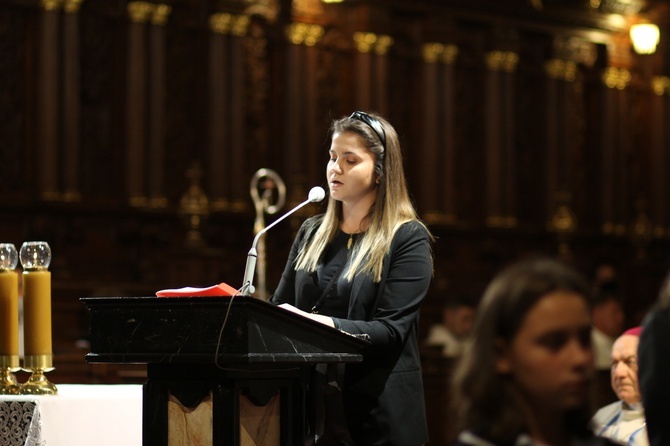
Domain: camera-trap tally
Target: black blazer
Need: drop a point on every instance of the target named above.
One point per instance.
(654, 375)
(383, 395)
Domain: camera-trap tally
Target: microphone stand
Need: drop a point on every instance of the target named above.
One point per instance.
(315, 194)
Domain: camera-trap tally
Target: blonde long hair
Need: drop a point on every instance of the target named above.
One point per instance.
(391, 209)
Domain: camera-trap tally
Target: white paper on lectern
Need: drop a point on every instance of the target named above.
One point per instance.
(293, 309)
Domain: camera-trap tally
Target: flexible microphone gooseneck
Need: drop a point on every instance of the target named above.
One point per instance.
(315, 195)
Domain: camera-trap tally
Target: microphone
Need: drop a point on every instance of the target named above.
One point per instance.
(315, 195)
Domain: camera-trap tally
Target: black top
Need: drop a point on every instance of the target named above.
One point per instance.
(335, 301)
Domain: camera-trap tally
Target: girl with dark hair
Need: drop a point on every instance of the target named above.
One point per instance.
(525, 376)
(365, 267)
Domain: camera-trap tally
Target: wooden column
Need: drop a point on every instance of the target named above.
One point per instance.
(560, 74)
(48, 119)
(136, 106)
(500, 190)
(554, 69)
(294, 101)
(565, 117)
(666, 164)
(494, 211)
(71, 108)
(449, 135)
(607, 160)
(380, 79)
(240, 172)
(371, 72)
(363, 71)
(560, 141)
(305, 161)
(437, 168)
(156, 160)
(218, 162)
(623, 197)
(615, 143)
(509, 139)
(429, 129)
(660, 144)
(316, 156)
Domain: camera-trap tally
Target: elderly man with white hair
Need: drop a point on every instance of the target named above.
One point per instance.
(623, 421)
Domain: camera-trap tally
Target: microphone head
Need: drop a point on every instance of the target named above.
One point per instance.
(316, 194)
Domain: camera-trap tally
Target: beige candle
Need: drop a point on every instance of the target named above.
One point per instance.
(37, 312)
(9, 312)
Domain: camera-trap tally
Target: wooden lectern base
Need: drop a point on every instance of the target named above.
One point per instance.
(259, 425)
(193, 426)
(188, 426)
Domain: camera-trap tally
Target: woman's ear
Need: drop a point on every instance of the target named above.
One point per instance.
(503, 361)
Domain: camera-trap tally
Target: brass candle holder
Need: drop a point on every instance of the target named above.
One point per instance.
(38, 384)
(8, 383)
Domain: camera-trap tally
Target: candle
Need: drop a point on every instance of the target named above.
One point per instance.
(35, 258)
(9, 302)
(37, 312)
(9, 313)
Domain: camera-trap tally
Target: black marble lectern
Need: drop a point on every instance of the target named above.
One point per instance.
(220, 371)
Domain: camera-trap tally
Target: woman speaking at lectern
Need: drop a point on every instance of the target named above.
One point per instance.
(364, 267)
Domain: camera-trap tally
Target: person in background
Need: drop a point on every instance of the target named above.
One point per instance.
(608, 319)
(365, 267)
(524, 377)
(449, 335)
(654, 368)
(623, 421)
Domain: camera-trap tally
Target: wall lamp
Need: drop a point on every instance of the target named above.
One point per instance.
(645, 37)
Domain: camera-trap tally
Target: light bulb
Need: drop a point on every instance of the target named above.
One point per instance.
(35, 255)
(645, 37)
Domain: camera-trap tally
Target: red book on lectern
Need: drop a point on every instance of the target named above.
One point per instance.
(222, 289)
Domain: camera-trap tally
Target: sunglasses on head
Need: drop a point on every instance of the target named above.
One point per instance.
(375, 125)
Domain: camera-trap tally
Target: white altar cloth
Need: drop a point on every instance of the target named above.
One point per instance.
(79, 415)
